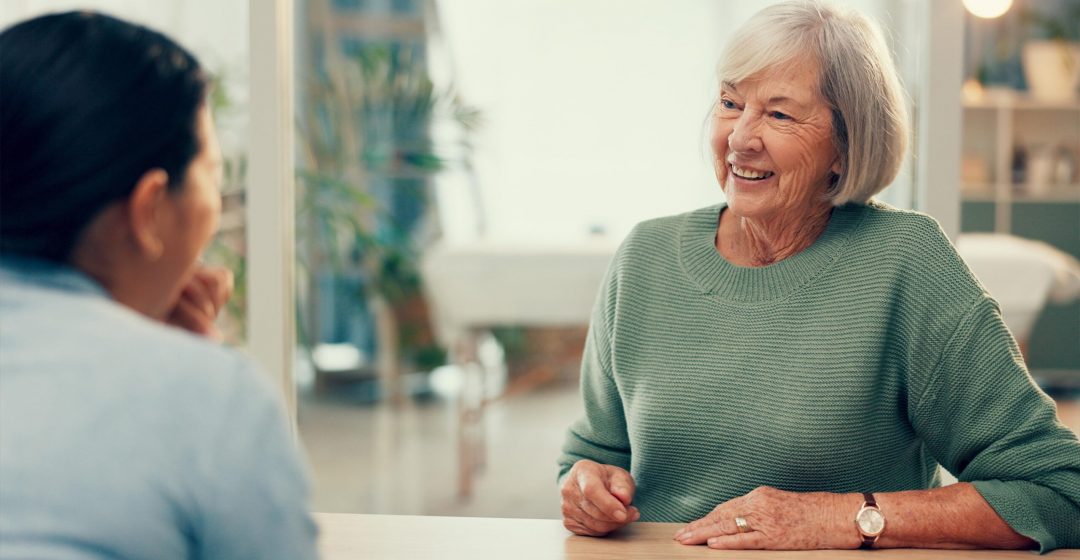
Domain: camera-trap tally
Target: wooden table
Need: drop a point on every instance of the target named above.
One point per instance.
(406, 537)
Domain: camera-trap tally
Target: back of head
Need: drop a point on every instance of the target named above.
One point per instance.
(858, 79)
(90, 103)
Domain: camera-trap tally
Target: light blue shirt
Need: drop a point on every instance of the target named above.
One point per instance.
(123, 438)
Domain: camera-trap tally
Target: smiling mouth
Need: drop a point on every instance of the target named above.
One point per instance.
(749, 174)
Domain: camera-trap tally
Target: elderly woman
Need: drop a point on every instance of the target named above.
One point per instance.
(786, 370)
(123, 434)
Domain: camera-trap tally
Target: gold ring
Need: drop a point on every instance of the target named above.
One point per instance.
(741, 524)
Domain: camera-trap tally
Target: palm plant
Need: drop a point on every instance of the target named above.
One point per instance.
(363, 195)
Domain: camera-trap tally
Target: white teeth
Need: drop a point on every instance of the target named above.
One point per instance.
(749, 173)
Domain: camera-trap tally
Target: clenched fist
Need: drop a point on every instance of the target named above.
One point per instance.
(596, 499)
(200, 301)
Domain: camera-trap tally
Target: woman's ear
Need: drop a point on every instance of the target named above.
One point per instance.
(145, 213)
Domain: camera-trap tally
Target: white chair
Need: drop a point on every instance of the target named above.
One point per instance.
(1022, 275)
(473, 287)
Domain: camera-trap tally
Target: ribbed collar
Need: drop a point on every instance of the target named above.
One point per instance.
(718, 278)
(50, 275)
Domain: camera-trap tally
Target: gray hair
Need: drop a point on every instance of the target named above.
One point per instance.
(858, 80)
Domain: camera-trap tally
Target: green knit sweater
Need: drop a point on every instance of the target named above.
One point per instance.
(856, 365)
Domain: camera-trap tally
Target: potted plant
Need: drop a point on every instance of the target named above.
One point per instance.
(1052, 61)
(363, 199)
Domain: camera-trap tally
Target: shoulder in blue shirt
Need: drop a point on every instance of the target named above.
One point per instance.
(124, 438)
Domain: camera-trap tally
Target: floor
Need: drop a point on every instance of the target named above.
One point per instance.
(370, 458)
(374, 459)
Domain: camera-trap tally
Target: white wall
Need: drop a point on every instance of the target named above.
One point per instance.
(593, 115)
(216, 31)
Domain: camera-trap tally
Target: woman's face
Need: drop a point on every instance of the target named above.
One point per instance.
(193, 209)
(772, 143)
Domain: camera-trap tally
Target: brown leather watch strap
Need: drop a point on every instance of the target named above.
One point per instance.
(869, 501)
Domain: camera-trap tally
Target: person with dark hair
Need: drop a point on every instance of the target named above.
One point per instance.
(124, 432)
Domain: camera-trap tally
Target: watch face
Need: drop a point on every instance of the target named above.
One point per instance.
(871, 522)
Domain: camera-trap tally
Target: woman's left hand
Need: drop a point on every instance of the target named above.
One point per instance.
(778, 520)
(201, 300)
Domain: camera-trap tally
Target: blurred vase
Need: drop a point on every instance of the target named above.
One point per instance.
(1052, 69)
(1040, 170)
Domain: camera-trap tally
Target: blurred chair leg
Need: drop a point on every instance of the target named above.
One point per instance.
(465, 474)
(471, 402)
(480, 447)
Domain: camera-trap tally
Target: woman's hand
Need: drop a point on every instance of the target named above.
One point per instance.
(596, 499)
(201, 300)
(779, 520)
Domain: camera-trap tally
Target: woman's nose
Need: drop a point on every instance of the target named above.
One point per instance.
(745, 136)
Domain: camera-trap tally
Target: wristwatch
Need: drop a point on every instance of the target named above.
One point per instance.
(870, 521)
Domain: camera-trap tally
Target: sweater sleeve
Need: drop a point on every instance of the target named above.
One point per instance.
(600, 434)
(984, 419)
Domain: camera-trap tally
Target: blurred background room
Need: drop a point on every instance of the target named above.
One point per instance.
(457, 174)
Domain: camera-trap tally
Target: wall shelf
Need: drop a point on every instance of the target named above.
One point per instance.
(995, 126)
(982, 192)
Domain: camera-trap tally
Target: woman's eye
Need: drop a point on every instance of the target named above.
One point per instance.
(727, 104)
(780, 116)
